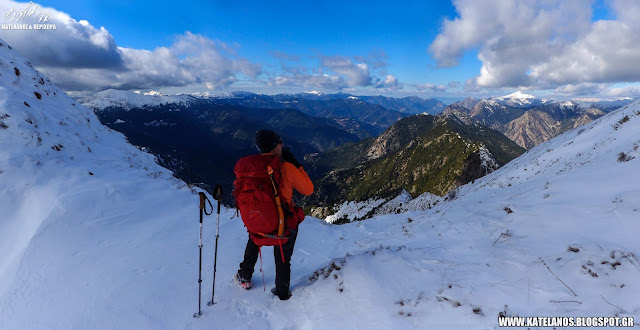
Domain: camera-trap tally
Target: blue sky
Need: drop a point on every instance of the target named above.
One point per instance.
(424, 48)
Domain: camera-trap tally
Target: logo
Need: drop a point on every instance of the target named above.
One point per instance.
(18, 19)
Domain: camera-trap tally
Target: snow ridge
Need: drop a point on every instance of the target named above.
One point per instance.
(129, 100)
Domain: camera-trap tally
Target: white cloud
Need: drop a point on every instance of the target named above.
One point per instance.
(356, 74)
(322, 81)
(543, 43)
(340, 73)
(431, 87)
(610, 52)
(191, 59)
(390, 82)
(582, 89)
(601, 90)
(627, 91)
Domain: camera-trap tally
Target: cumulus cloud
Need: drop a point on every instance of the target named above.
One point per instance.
(357, 74)
(582, 89)
(609, 52)
(73, 44)
(340, 73)
(542, 43)
(322, 81)
(627, 91)
(389, 82)
(191, 59)
(431, 87)
(599, 89)
(377, 60)
(80, 57)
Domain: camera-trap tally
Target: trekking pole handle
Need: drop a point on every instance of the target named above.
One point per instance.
(202, 199)
(217, 193)
(203, 206)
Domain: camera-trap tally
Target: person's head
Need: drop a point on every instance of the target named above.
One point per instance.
(268, 141)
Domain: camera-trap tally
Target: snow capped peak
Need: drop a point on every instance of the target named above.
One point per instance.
(568, 104)
(517, 96)
(490, 102)
(352, 98)
(314, 92)
(520, 99)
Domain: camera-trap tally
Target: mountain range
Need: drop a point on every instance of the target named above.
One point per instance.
(185, 131)
(529, 121)
(356, 148)
(200, 139)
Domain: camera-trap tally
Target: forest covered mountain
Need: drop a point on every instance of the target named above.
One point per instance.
(417, 154)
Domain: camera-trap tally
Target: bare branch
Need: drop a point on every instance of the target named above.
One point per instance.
(565, 301)
(496, 241)
(556, 276)
(622, 310)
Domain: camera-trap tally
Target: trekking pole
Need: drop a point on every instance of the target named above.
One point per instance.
(203, 198)
(217, 193)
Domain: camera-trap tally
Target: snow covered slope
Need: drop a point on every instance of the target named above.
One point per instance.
(73, 203)
(94, 235)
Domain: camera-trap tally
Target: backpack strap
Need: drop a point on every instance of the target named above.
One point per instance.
(278, 203)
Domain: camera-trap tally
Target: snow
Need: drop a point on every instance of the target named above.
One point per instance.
(152, 93)
(158, 123)
(129, 100)
(353, 210)
(488, 161)
(520, 99)
(567, 104)
(517, 96)
(95, 235)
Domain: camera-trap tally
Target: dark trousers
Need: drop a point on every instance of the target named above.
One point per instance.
(283, 270)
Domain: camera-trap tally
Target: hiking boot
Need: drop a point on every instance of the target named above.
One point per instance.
(245, 284)
(273, 290)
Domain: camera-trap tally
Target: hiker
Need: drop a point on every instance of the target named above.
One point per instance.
(291, 176)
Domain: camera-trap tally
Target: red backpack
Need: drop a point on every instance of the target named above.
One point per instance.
(257, 198)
